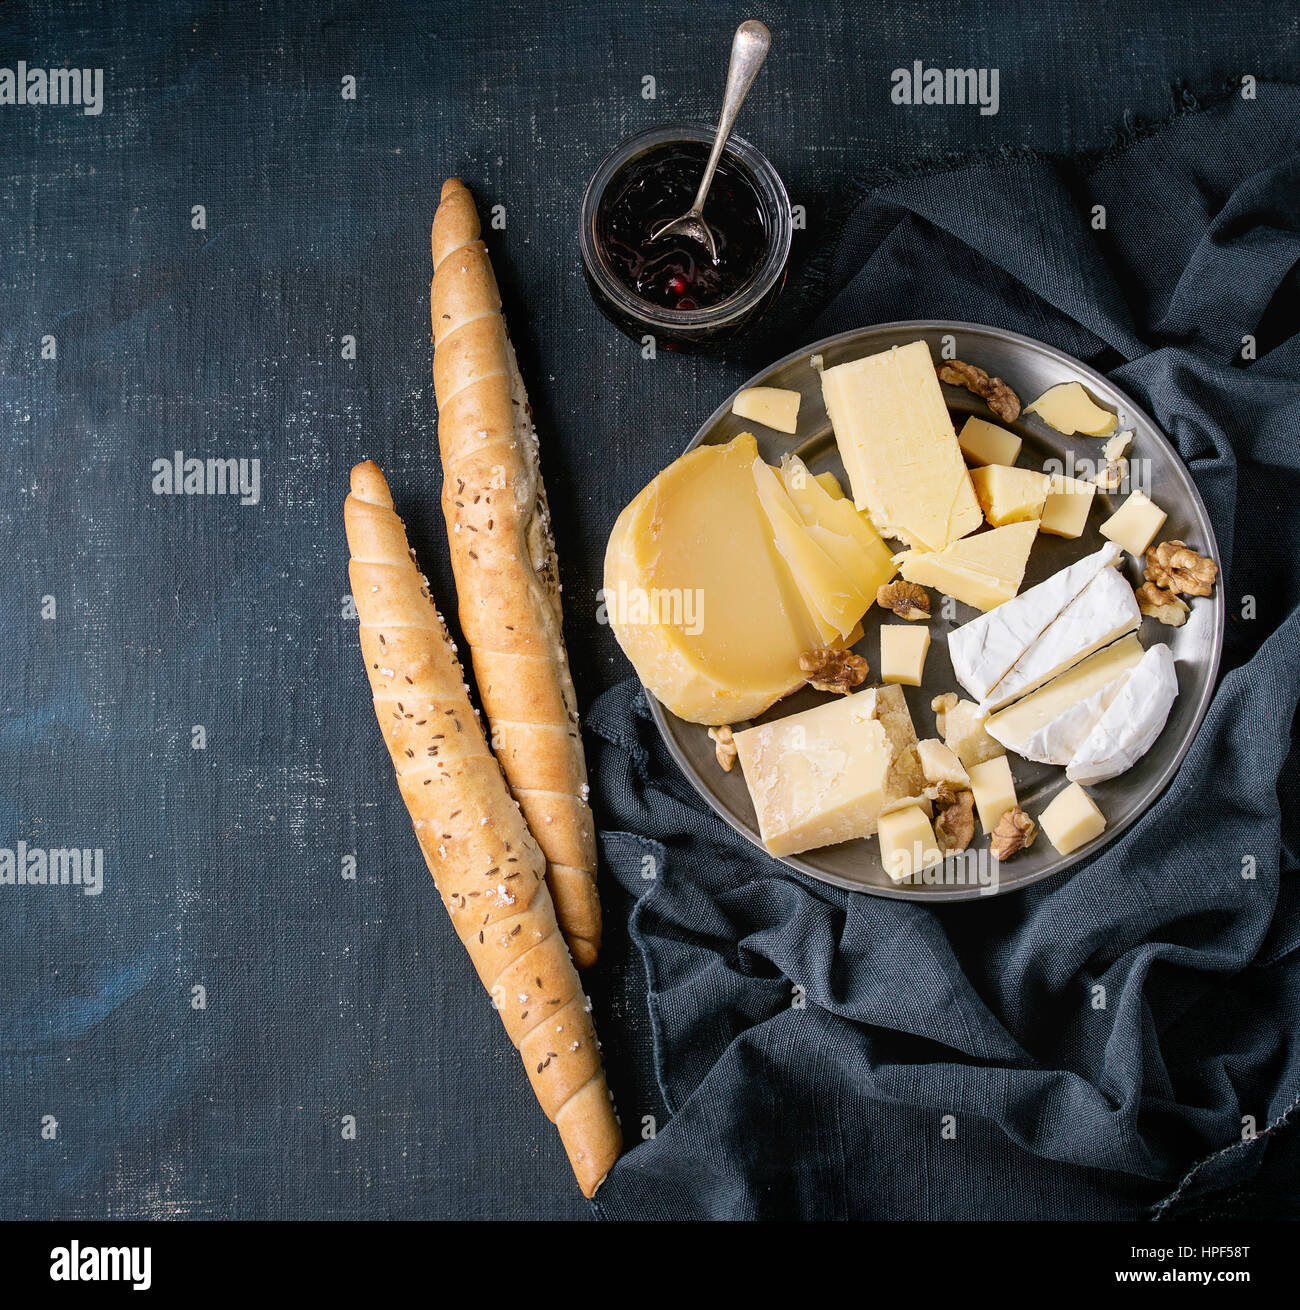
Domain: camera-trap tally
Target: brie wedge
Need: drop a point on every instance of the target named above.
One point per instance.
(984, 650)
(1050, 724)
(1131, 723)
(1102, 612)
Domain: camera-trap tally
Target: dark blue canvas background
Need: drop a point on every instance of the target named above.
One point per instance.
(329, 996)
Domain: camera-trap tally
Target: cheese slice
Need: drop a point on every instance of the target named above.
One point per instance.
(1102, 612)
(984, 650)
(1069, 409)
(828, 774)
(838, 528)
(826, 587)
(983, 571)
(1132, 721)
(1052, 723)
(1010, 495)
(899, 448)
(698, 595)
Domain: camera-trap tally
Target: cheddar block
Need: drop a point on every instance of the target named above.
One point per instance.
(698, 595)
(983, 442)
(994, 790)
(1010, 495)
(774, 407)
(1072, 819)
(826, 587)
(907, 843)
(899, 447)
(828, 774)
(982, 571)
(903, 648)
(1069, 409)
(838, 528)
(1135, 524)
(1068, 503)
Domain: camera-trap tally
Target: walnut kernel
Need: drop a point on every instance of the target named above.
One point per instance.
(1176, 567)
(1001, 399)
(955, 827)
(906, 599)
(834, 670)
(1163, 605)
(1015, 831)
(724, 747)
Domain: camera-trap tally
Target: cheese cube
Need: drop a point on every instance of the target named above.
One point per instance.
(907, 843)
(1135, 524)
(1069, 409)
(774, 407)
(903, 649)
(939, 764)
(825, 776)
(1068, 503)
(1010, 495)
(994, 790)
(986, 443)
(1072, 819)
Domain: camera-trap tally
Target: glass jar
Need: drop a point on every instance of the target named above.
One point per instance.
(714, 324)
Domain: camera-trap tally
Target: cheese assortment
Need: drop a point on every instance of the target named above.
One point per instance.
(755, 578)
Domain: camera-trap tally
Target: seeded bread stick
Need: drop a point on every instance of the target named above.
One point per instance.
(503, 557)
(488, 869)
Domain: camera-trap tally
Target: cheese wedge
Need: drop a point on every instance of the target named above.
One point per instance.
(838, 528)
(828, 774)
(1133, 720)
(1068, 503)
(827, 589)
(1101, 613)
(907, 843)
(940, 764)
(1010, 495)
(983, 571)
(774, 407)
(899, 447)
(983, 442)
(984, 650)
(1069, 409)
(1072, 819)
(698, 594)
(1052, 723)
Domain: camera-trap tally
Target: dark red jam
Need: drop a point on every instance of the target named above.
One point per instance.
(676, 272)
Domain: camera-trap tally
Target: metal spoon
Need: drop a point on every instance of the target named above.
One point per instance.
(748, 50)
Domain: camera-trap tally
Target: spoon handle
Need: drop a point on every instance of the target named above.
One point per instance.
(748, 50)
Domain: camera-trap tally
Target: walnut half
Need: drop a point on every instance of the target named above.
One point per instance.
(1176, 567)
(724, 747)
(1015, 831)
(834, 670)
(908, 600)
(1001, 399)
(1163, 605)
(955, 827)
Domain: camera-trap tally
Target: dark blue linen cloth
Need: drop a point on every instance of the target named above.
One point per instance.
(831, 1055)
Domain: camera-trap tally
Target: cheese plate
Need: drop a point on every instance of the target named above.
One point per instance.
(1030, 369)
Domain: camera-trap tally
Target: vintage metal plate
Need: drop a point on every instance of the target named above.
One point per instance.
(1029, 367)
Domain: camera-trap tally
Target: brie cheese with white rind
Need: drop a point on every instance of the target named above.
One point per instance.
(1132, 722)
(984, 650)
(1050, 724)
(1102, 612)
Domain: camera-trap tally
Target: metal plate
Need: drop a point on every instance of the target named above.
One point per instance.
(1029, 367)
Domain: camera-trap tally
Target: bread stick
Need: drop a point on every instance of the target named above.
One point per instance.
(503, 557)
(488, 869)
